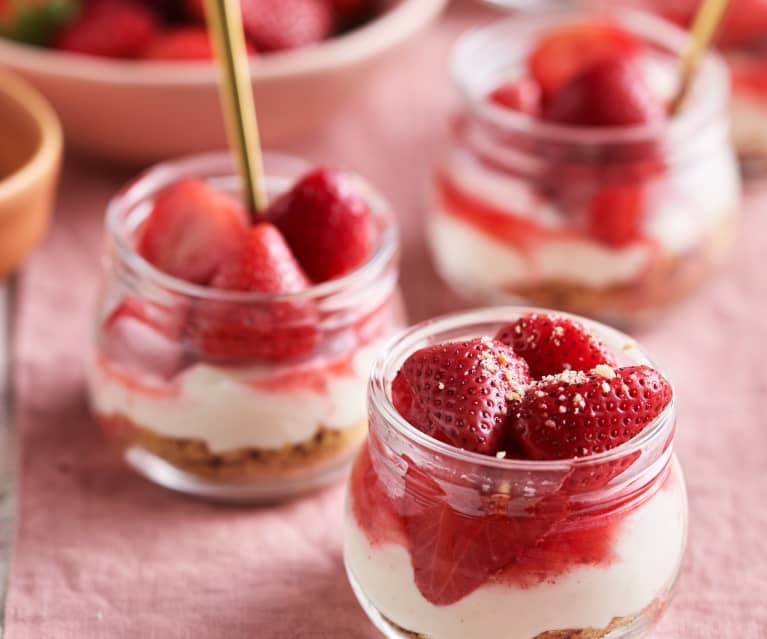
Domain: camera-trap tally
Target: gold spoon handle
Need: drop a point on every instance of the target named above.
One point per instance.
(703, 29)
(225, 26)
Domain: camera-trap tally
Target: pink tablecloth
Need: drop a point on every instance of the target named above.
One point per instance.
(100, 553)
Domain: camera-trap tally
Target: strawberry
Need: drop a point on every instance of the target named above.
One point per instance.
(191, 230)
(577, 414)
(524, 96)
(110, 28)
(564, 52)
(326, 222)
(275, 25)
(182, 43)
(458, 392)
(616, 213)
(144, 337)
(613, 92)
(263, 263)
(454, 553)
(551, 343)
(257, 330)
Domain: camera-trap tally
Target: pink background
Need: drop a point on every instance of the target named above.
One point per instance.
(99, 552)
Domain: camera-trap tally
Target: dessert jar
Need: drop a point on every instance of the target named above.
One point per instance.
(443, 543)
(742, 40)
(612, 222)
(236, 395)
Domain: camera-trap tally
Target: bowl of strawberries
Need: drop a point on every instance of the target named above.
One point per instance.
(134, 81)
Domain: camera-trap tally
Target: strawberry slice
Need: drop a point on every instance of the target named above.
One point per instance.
(454, 553)
(551, 343)
(458, 392)
(613, 92)
(109, 28)
(326, 222)
(564, 52)
(276, 25)
(616, 214)
(144, 338)
(244, 331)
(576, 414)
(524, 95)
(191, 230)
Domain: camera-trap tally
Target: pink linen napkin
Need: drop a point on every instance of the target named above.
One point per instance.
(101, 553)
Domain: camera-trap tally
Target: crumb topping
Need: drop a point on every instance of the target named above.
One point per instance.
(603, 370)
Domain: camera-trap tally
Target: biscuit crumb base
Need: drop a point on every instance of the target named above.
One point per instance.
(581, 633)
(665, 283)
(243, 464)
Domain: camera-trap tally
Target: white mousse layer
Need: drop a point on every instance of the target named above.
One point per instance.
(470, 258)
(226, 408)
(648, 549)
(684, 209)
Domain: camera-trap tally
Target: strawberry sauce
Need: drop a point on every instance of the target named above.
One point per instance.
(453, 554)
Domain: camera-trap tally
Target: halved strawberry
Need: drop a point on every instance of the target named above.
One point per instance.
(458, 392)
(576, 414)
(144, 337)
(110, 28)
(564, 52)
(523, 95)
(552, 343)
(613, 92)
(326, 222)
(182, 43)
(242, 331)
(454, 553)
(616, 213)
(276, 25)
(192, 229)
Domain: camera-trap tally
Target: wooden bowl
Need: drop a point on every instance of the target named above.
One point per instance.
(140, 112)
(30, 158)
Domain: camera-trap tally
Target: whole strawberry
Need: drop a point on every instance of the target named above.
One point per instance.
(326, 222)
(244, 330)
(110, 28)
(576, 414)
(552, 343)
(459, 392)
(276, 25)
(613, 92)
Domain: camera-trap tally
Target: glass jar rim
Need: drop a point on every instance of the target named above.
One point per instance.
(379, 393)
(711, 82)
(150, 181)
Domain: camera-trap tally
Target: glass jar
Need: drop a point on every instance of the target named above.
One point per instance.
(742, 40)
(447, 544)
(264, 424)
(522, 206)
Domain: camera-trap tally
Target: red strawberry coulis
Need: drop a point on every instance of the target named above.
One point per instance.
(460, 535)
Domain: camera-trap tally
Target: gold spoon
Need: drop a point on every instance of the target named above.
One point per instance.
(225, 27)
(703, 29)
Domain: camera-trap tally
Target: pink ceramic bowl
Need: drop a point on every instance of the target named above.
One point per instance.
(146, 111)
